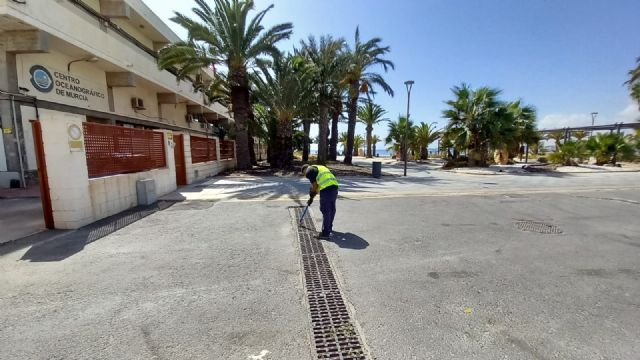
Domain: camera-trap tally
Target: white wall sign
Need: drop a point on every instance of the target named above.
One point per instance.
(52, 84)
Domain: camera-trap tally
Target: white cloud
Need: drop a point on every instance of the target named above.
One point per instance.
(557, 121)
(629, 114)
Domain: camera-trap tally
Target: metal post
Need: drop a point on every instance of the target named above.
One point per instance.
(23, 183)
(409, 85)
(593, 121)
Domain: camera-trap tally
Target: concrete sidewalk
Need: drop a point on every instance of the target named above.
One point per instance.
(196, 280)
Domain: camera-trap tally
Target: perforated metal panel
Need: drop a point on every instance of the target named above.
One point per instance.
(112, 150)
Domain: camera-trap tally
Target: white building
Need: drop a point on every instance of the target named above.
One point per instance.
(69, 63)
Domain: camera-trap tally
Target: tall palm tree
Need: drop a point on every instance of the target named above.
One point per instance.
(472, 119)
(375, 139)
(524, 121)
(326, 67)
(225, 35)
(361, 79)
(280, 89)
(398, 131)
(370, 114)
(425, 135)
(634, 82)
(336, 114)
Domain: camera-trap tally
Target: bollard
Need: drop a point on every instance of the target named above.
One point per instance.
(376, 171)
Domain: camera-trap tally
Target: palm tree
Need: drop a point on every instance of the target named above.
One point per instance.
(225, 35)
(370, 114)
(472, 120)
(399, 131)
(608, 148)
(634, 81)
(568, 152)
(425, 135)
(375, 139)
(556, 136)
(580, 135)
(342, 139)
(358, 143)
(360, 79)
(524, 120)
(280, 89)
(336, 114)
(325, 67)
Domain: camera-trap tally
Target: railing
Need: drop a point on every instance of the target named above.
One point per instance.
(202, 150)
(113, 150)
(227, 150)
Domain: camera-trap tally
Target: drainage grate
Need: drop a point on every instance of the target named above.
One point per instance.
(539, 227)
(334, 333)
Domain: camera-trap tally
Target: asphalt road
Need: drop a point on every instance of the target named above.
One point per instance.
(447, 276)
(454, 278)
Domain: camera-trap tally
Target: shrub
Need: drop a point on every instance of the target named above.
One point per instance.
(568, 153)
(543, 160)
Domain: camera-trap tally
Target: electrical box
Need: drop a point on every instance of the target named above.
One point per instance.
(146, 190)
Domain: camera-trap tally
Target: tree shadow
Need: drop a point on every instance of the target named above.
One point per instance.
(348, 240)
(71, 243)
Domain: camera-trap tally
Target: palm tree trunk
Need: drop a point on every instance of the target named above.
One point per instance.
(240, 104)
(284, 141)
(306, 127)
(252, 150)
(324, 129)
(351, 125)
(374, 149)
(369, 131)
(333, 144)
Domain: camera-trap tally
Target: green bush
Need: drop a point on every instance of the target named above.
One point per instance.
(609, 148)
(569, 152)
(543, 160)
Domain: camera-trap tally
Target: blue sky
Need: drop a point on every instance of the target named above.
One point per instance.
(565, 57)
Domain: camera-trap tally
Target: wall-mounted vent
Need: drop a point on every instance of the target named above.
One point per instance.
(137, 103)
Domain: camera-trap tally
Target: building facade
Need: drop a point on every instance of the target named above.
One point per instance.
(66, 63)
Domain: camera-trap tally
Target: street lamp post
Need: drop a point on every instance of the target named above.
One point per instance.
(409, 85)
(593, 121)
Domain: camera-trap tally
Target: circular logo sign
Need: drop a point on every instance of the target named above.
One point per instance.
(41, 78)
(74, 131)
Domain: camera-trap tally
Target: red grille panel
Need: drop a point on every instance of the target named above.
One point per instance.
(202, 150)
(227, 150)
(113, 150)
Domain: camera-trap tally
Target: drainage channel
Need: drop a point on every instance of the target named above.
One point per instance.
(334, 333)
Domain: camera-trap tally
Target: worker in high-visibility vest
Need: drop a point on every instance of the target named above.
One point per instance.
(324, 182)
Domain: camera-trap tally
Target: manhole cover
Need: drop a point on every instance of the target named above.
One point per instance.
(537, 226)
(334, 333)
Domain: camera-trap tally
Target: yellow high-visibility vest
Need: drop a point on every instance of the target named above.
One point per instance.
(325, 178)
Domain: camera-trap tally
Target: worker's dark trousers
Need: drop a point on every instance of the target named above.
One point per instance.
(328, 199)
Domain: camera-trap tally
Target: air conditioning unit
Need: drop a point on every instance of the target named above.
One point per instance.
(137, 103)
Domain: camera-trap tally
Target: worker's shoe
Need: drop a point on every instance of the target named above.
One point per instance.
(323, 236)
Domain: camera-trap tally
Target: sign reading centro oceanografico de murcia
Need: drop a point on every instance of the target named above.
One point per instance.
(55, 85)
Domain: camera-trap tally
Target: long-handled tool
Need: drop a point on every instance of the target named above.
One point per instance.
(304, 213)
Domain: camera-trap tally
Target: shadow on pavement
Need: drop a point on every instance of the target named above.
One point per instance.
(348, 241)
(72, 242)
